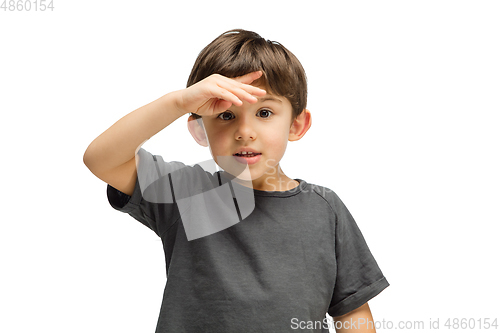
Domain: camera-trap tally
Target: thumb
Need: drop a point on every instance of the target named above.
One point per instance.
(221, 106)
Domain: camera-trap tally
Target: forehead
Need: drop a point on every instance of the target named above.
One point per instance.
(270, 96)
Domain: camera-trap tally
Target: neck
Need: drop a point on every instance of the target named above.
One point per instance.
(276, 182)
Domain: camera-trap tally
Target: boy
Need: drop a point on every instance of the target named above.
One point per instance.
(247, 248)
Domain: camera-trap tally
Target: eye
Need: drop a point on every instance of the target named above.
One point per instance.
(264, 113)
(227, 115)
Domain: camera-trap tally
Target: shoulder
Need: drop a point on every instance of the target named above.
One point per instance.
(320, 192)
(155, 166)
(160, 178)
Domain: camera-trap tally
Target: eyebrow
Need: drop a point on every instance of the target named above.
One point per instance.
(269, 98)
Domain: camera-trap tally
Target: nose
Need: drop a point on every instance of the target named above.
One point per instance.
(245, 130)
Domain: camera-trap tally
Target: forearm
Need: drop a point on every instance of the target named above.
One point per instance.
(118, 144)
(358, 320)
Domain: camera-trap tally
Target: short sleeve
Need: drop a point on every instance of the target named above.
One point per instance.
(359, 277)
(151, 202)
(161, 188)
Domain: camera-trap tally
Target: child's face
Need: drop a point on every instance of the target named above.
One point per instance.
(262, 128)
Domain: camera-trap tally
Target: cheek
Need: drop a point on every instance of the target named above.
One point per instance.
(216, 137)
(278, 142)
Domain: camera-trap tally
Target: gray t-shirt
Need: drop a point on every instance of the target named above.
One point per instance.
(295, 256)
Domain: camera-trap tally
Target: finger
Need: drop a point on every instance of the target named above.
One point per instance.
(213, 106)
(249, 93)
(242, 91)
(227, 95)
(242, 94)
(249, 78)
(237, 82)
(253, 90)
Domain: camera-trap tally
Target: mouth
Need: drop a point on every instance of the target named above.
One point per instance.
(247, 156)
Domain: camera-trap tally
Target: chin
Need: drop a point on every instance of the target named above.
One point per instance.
(237, 169)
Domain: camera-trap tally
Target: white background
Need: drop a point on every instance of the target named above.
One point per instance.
(405, 103)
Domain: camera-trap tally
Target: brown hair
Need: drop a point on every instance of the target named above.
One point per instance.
(239, 52)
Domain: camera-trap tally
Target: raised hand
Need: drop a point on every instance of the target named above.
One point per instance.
(216, 93)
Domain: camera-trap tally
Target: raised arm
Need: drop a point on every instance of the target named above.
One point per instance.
(111, 156)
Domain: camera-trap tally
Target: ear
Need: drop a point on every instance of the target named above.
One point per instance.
(300, 126)
(195, 126)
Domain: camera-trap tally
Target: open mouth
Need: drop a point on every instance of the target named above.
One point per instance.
(247, 157)
(246, 154)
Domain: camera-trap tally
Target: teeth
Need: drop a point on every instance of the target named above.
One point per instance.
(246, 153)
